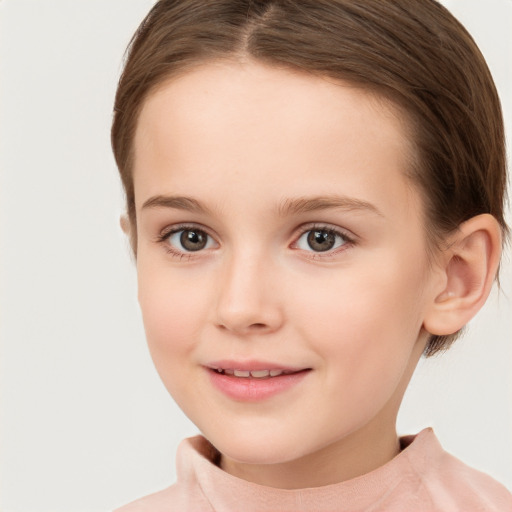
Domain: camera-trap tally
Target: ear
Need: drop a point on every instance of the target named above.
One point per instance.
(125, 224)
(468, 266)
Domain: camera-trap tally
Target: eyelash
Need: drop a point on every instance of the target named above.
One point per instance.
(164, 237)
(348, 240)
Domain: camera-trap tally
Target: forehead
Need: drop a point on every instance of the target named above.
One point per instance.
(225, 122)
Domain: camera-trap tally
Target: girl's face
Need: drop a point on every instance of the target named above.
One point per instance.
(277, 231)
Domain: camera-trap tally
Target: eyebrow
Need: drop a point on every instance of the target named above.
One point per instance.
(176, 202)
(286, 208)
(311, 204)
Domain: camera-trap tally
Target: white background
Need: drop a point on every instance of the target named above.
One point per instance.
(86, 424)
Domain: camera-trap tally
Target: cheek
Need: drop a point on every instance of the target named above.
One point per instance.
(366, 320)
(172, 312)
(365, 340)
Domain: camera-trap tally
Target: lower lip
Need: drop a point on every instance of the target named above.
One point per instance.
(252, 389)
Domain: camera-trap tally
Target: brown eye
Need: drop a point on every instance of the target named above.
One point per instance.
(193, 239)
(321, 240)
(189, 240)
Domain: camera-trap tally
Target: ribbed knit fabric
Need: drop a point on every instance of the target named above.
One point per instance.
(422, 477)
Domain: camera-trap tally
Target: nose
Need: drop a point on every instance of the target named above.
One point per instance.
(247, 297)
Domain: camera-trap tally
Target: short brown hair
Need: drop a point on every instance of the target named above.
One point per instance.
(412, 52)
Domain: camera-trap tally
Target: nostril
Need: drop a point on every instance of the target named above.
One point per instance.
(258, 326)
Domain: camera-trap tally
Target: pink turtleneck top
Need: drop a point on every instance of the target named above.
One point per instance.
(422, 477)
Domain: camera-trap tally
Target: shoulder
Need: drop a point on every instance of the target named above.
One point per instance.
(470, 489)
(452, 485)
(186, 494)
(156, 502)
(175, 498)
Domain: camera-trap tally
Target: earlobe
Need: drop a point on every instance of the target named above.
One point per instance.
(469, 266)
(131, 232)
(125, 224)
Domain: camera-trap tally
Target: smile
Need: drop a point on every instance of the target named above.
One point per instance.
(257, 374)
(254, 384)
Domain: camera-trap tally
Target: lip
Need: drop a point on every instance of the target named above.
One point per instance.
(253, 389)
(230, 364)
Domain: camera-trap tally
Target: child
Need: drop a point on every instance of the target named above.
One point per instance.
(315, 197)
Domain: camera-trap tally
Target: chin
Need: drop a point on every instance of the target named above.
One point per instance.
(263, 447)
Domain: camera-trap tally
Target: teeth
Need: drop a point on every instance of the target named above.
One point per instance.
(242, 373)
(258, 374)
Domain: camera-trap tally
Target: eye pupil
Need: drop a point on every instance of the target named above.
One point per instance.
(193, 240)
(321, 240)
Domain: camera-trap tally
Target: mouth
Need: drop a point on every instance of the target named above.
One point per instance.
(256, 374)
(253, 382)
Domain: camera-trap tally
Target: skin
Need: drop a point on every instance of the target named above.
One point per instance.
(243, 141)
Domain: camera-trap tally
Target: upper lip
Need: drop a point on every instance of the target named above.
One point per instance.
(252, 365)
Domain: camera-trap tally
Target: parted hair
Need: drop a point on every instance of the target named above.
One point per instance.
(413, 53)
